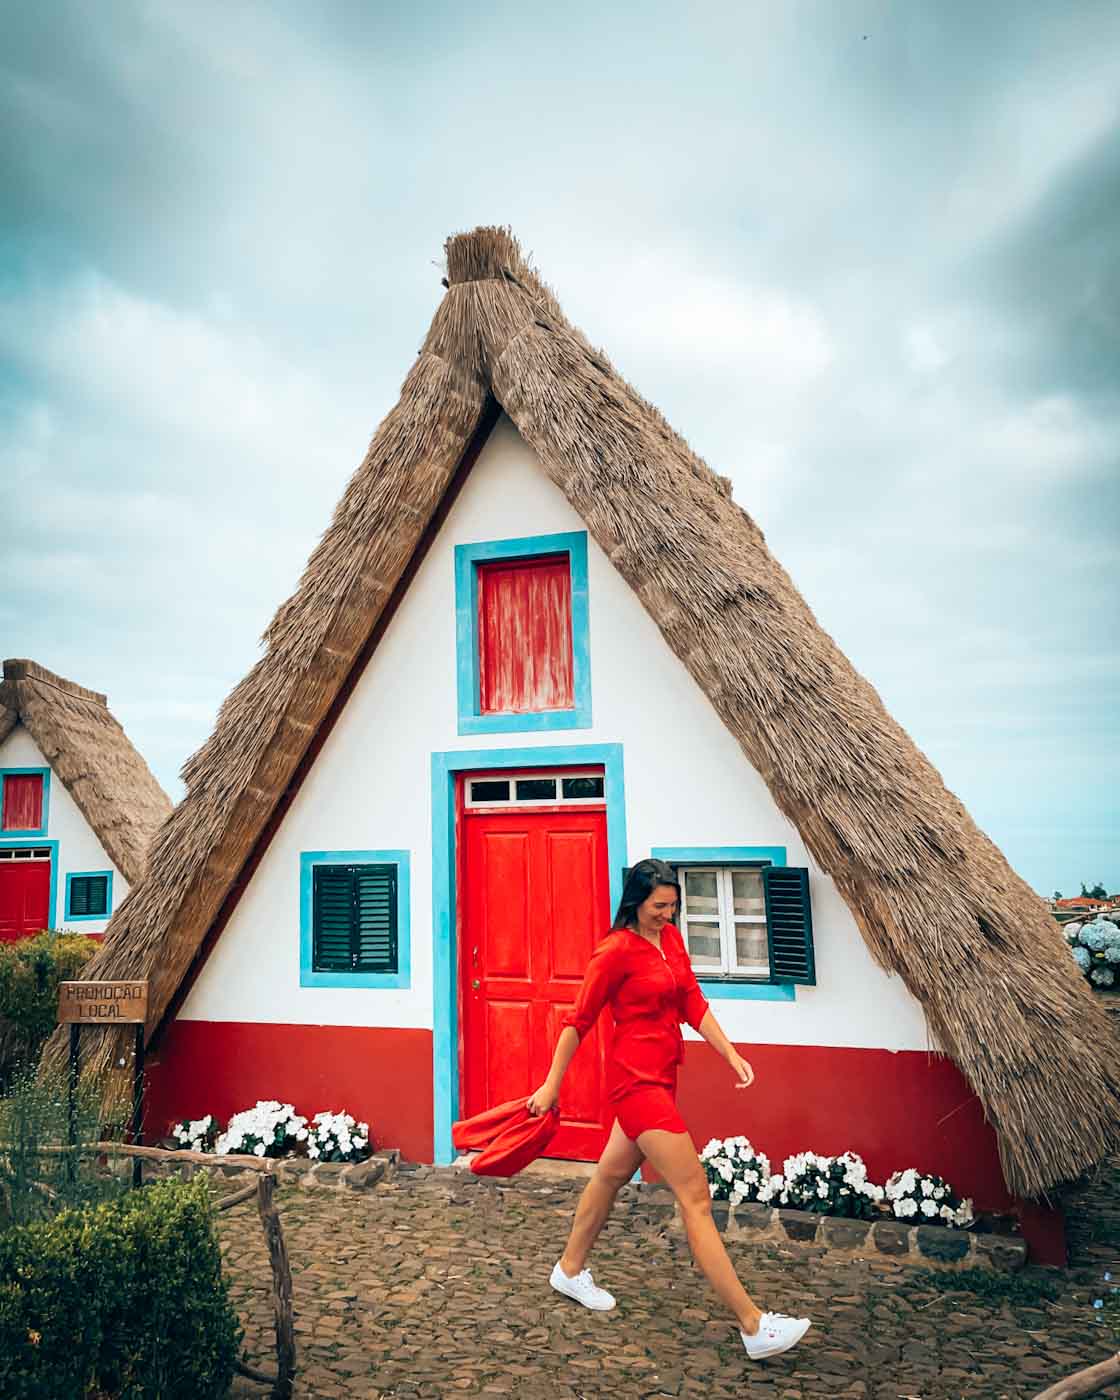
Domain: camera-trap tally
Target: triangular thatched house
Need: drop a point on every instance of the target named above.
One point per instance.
(538, 641)
(78, 805)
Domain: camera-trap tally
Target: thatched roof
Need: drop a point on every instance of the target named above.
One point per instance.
(935, 900)
(90, 753)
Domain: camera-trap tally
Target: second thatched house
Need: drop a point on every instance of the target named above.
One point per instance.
(539, 641)
(78, 805)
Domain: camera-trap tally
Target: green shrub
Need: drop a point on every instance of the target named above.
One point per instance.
(124, 1300)
(37, 1180)
(30, 971)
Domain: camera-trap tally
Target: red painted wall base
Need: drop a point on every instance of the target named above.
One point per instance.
(896, 1109)
(381, 1075)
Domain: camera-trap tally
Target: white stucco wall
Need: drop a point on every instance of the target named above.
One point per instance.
(79, 850)
(687, 784)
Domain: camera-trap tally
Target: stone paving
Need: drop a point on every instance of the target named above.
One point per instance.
(435, 1284)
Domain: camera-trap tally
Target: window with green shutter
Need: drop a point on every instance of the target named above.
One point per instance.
(355, 918)
(745, 916)
(88, 895)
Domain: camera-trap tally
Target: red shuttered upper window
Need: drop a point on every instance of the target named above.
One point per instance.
(22, 803)
(525, 635)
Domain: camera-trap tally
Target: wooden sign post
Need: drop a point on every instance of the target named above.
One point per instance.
(105, 1004)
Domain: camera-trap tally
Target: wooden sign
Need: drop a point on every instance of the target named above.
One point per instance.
(103, 1003)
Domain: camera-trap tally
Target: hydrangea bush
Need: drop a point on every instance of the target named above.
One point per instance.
(736, 1172)
(269, 1129)
(925, 1199)
(197, 1134)
(1096, 950)
(830, 1185)
(335, 1137)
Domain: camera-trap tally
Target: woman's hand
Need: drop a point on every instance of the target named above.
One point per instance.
(742, 1069)
(543, 1100)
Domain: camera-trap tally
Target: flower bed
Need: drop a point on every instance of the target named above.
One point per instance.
(274, 1129)
(835, 1186)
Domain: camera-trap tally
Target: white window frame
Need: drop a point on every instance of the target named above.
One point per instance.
(727, 920)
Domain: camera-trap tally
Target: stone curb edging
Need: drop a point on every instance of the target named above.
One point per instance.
(934, 1246)
(929, 1245)
(296, 1171)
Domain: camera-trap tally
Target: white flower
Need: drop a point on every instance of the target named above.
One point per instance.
(711, 1184)
(259, 1149)
(929, 1208)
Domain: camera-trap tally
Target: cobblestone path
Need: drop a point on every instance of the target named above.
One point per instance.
(435, 1284)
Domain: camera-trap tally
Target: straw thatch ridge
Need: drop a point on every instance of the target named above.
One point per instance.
(91, 754)
(935, 900)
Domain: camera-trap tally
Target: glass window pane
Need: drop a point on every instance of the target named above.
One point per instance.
(536, 789)
(703, 944)
(700, 891)
(750, 945)
(582, 787)
(490, 790)
(746, 888)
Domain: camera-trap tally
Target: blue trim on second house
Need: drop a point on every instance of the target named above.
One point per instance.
(445, 961)
(573, 543)
(52, 904)
(727, 988)
(72, 875)
(45, 813)
(308, 977)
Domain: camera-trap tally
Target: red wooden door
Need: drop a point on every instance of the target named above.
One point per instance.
(25, 898)
(535, 902)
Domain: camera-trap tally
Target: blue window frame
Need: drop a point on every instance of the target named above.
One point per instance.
(725, 988)
(88, 890)
(308, 977)
(41, 830)
(467, 559)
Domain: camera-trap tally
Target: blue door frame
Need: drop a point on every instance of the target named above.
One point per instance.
(445, 960)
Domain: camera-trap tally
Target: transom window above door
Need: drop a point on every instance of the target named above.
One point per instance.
(534, 789)
(523, 659)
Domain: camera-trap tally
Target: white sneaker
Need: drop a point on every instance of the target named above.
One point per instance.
(776, 1333)
(583, 1289)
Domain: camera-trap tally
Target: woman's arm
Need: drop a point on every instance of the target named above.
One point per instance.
(600, 981)
(549, 1092)
(713, 1033)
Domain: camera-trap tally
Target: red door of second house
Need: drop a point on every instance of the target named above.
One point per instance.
(535, 902)
(25, 897)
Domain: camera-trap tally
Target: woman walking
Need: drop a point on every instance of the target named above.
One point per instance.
(641, 970)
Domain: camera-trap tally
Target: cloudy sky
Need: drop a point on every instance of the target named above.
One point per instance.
(865, 256)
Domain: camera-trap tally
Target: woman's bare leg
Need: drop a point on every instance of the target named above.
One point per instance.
(673, 1156)
(620, 1160)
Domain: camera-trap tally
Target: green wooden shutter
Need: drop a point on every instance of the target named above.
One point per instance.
(89, 896)
(354, 918)
(789, 924)
(332, 918)
(375, 907)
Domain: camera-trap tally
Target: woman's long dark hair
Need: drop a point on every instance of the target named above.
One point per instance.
(643, 879)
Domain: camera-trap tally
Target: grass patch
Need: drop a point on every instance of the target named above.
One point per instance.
(1022, 1289)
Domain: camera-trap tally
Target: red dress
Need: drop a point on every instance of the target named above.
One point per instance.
(649, 994)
